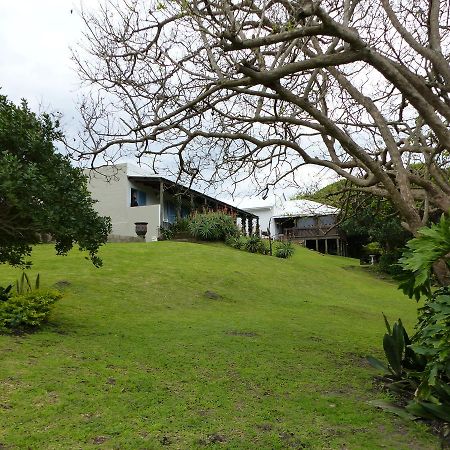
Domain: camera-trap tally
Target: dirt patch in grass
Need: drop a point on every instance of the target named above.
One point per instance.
(264, 427)
(212, 295)
(214, 438)
(241, 333)
(98, 440)
(356, 359)
(62, 284)
(165, 440)
(290, 440)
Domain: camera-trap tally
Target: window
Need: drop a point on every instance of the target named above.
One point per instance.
(138, 198)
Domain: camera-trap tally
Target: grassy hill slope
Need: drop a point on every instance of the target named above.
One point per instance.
(178, 345)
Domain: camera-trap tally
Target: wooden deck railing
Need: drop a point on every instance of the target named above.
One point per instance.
(312, 232)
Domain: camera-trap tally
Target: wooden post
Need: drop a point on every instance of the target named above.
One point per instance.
(243, 225)
(317, 245)
(338, 246)
(250, 225)
(161, 204)
(178, 206)
(326, 245)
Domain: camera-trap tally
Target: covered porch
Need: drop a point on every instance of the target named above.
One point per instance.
(177, 201)
(319, 233)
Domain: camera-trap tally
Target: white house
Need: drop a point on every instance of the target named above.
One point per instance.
(311, 223)
(129, 194)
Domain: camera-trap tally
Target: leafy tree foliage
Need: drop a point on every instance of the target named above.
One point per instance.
(421, 365)
(40, 192)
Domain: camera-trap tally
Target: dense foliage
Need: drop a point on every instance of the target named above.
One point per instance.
(254, 244)
(212, 226)
(40, 192)
(421, 365)
(26, 311)
(284, 249)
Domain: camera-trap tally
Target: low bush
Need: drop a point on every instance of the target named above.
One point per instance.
(212, 226)
(26, 311)
(255, 244)
(181, 225)
(166, 234)
(388, 262)
(237, 242)
(284, 249)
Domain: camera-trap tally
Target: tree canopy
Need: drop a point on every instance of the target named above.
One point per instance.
(238, 88)
(40, 192)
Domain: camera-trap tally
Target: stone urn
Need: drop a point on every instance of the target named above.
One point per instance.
(141, 229)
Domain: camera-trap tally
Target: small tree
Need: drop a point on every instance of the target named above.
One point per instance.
(40, 192)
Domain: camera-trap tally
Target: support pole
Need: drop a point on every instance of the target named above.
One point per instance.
(178, 206)
(326, 245)
(317, 245)
(250, 225)
(161, 204)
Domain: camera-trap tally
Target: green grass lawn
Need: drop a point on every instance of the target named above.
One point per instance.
(137, 356)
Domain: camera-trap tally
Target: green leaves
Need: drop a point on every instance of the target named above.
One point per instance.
(40, 192)
(26, 311)
(432, 244)
(284, 249)
(422, 364)
(212, 226)
(394, 346)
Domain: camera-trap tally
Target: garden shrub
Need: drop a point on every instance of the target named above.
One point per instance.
(284, 249)
(255, 244)
(166, 233)
(212, 226)
(181, 225)
(421, 365)
(252, 244)
(388, 262)
(26, 311)
(237, 242)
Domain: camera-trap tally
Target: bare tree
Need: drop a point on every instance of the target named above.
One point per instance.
(237, 88)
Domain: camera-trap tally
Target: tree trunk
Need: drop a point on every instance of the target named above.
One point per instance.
(442, 272)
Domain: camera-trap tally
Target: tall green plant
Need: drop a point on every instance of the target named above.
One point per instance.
(23, 285)
(284, 249)
(212, 226)
(430, 346)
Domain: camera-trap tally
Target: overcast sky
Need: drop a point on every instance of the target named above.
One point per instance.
(35, 58)
(35, 64)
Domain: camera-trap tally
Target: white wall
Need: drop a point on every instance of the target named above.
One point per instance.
(110, 186)
(264, 215)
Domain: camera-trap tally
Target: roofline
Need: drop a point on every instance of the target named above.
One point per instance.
(173, 183)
